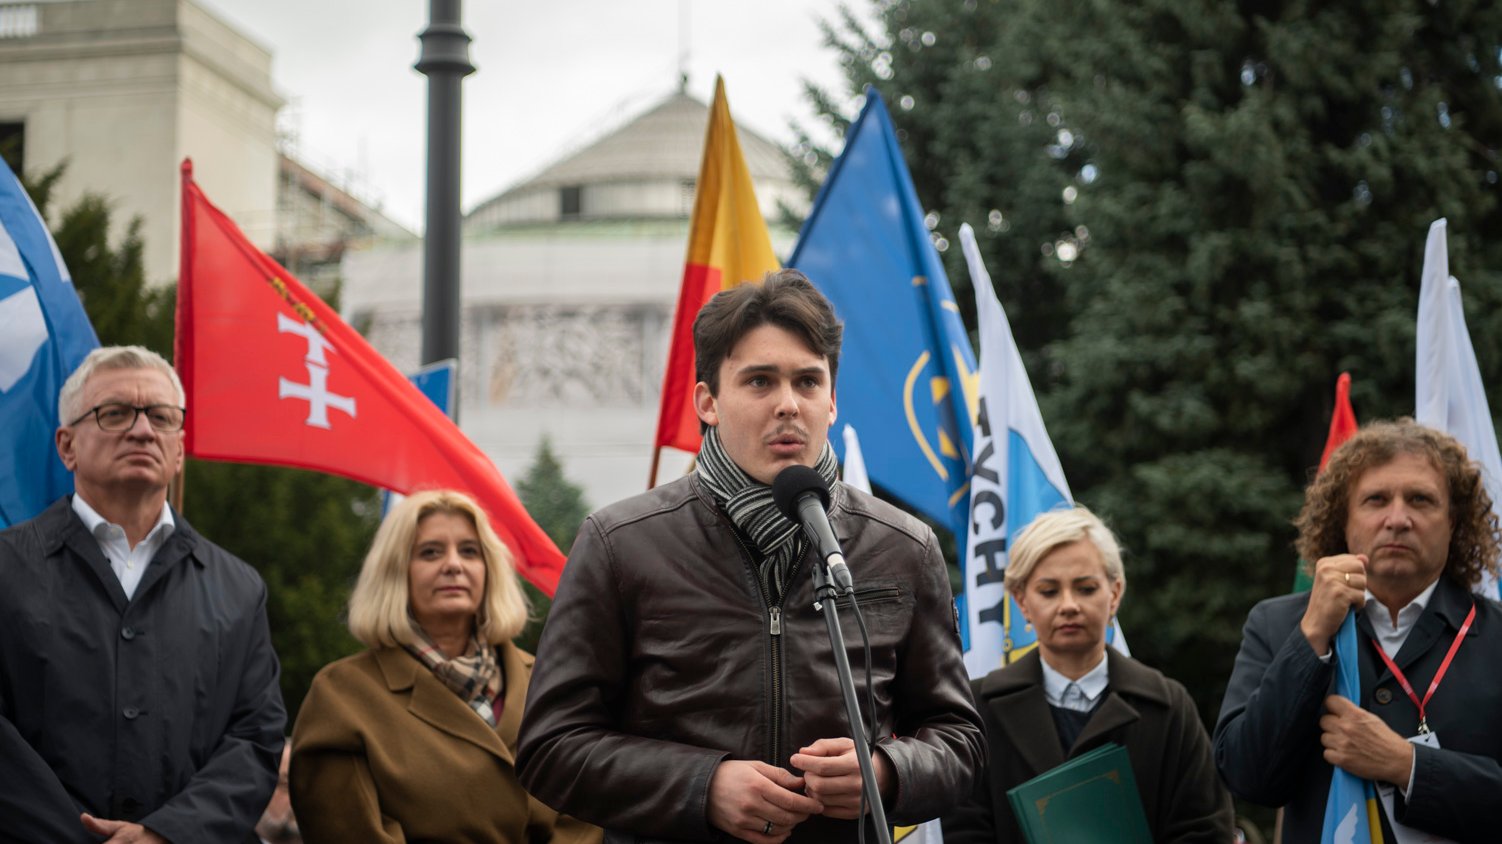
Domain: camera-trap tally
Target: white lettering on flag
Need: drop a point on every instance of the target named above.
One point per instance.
(315, 392)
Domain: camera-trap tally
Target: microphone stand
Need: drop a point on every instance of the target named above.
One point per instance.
(824, 599)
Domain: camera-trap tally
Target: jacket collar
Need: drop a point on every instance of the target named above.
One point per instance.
(432, 702)
(60, 527)
(1442, 618)
(1015, 697)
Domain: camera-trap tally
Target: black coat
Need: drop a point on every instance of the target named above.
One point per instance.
(1143, 711)
(163, 709)
(1267, 741)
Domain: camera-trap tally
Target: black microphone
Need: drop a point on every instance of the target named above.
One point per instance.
(802, 496)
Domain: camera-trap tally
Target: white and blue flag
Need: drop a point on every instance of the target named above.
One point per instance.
(1015, 476)
(44, 335)
(1448, 392)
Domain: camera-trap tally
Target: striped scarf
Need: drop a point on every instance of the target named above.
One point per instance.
(779, 542)
(475, 678)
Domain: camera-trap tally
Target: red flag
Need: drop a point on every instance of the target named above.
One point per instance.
(274, 376)
(1342, 428)
(728, 244)
(1342, 420)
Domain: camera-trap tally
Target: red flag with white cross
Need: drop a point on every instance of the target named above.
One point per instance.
(274, 376)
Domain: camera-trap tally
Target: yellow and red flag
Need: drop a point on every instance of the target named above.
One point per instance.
(728, 244)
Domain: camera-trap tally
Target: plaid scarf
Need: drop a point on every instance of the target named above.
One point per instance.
(476, 678)
(748, 503)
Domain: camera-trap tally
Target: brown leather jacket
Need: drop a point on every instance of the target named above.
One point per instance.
(662, 656)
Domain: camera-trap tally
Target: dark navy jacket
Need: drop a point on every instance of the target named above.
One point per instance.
(164, 709)
(1267, 741)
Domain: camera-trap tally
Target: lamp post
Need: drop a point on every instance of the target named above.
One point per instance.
(444, 59)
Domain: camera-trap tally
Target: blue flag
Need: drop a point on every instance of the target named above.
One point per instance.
(44, 335)
(1351, 808)
(907, 373)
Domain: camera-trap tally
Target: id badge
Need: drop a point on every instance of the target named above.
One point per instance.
(1407, 834)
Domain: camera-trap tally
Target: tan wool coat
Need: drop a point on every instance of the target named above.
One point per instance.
(384, 752)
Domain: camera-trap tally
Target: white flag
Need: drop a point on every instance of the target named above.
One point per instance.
(1448, 393)
(1016, 475)
(854, 473)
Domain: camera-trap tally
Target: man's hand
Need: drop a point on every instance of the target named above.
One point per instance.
(1359, 742)
(745, 796)
(1339, 585)
(833, 774)
(120, 832)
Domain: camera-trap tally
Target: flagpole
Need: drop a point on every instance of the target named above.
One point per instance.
(656, 459)
(176, 492)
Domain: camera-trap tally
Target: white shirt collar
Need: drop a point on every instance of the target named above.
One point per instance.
(1085, 691)
(1392, 636)
(96, 523)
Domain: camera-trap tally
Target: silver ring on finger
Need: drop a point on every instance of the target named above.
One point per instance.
(767, 830)
(1348, 578)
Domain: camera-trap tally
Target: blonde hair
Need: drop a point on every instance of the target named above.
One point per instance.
(1057, 528)
(380, 612)
(108, 358)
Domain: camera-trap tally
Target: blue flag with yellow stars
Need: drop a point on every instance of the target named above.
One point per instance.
(906, 376)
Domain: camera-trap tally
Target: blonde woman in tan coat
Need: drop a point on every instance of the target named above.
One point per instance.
(414, 738)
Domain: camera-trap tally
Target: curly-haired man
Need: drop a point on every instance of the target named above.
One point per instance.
(1401, 529)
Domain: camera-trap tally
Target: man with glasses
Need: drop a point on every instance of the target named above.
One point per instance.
(139, 697)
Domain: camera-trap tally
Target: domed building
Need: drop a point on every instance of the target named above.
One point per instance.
(569, 281)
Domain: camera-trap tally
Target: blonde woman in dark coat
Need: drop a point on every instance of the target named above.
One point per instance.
(1072, 694)
(414, 738)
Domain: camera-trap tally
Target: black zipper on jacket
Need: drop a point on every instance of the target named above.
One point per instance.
(774, 632)
(774, 628)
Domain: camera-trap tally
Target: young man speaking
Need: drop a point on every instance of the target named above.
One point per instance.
(685, 689)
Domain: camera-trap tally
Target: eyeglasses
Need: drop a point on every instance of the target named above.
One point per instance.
(115, 417)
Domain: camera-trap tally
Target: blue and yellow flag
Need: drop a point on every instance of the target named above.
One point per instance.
(44, 336)
(907, 372)
(1351, 809)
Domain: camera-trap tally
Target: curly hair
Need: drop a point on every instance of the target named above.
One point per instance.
(1473, 527)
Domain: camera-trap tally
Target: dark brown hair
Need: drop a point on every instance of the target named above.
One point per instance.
(1473, 526)
(786, 299)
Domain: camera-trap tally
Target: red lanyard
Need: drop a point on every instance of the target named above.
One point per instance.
(1438, 675)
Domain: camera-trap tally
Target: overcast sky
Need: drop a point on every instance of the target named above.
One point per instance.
(551, 76)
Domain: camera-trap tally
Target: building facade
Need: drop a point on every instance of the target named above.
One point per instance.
(569, 281)
(123, 90)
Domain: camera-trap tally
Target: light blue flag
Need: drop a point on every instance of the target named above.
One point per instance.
(1351, 809)
(907, 373)
(44, 335)
(1016, 476)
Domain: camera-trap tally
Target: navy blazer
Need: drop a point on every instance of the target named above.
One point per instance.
(1267, 740)
(163, 709)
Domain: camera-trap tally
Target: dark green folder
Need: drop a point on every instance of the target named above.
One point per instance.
(1090, 798)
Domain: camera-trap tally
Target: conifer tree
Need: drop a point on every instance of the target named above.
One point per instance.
(558, 506)
(1197, 215)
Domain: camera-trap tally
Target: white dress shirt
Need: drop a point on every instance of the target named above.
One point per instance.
(128, 563)
(1076, 695)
